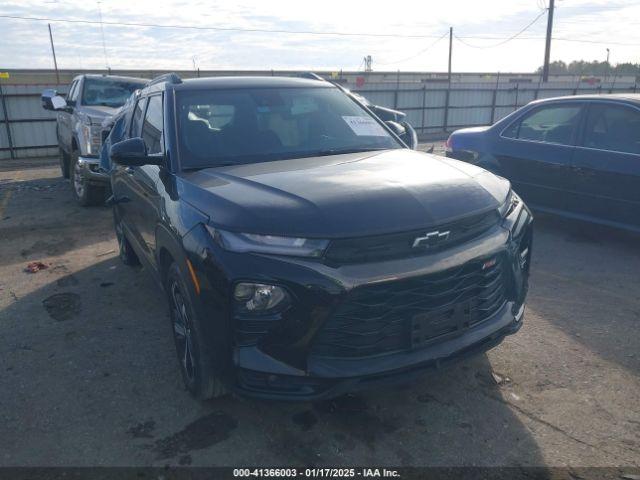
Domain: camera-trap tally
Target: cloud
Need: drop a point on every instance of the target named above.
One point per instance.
(26, 44)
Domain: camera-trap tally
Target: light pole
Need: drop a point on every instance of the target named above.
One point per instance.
(606, 75)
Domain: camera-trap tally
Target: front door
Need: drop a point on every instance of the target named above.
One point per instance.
(65, 127)
(536, 151)
(143, 180)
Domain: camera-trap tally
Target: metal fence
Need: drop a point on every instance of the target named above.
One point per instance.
(27, 130)
(441, 108)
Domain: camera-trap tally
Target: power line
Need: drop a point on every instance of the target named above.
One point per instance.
(223, 29)
(308, 32)
(512, 37)
(597, 42)
(417, 54)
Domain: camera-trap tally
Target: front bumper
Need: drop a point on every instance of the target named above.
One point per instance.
(283, 362)
(90, 171)
(295, 388)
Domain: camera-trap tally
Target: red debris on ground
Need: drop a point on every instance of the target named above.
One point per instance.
(34, 267)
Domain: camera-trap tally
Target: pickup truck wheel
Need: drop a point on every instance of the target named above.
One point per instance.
(85, 193)
(126, 253)
(64, 163)
(195, 363)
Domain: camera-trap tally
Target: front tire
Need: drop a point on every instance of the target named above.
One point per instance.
(195, 362)
(84, 192)
(64, 163)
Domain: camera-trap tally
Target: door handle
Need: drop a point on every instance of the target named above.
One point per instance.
(129, 170)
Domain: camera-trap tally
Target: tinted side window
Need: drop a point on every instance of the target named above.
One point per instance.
(553, 124)
(611, 127)
(152, 126)
(136, 121)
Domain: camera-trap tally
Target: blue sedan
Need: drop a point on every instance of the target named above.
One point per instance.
(573, 156)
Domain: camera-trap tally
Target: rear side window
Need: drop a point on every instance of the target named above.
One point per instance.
(613, 127)
(152, 126)
(552, 124)
(136, 121)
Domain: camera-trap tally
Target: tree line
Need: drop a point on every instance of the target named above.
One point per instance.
(582, 67)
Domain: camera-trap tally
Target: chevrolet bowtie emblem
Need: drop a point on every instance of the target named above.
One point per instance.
(431, 239)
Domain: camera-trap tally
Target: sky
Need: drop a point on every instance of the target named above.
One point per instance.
(411, 35)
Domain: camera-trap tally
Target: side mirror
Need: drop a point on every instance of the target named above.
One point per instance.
(387, 114)
(52, 101)
(406, 133)
(410, 137)
(132, 153)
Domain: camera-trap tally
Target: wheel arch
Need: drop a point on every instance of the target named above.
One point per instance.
(169, 249)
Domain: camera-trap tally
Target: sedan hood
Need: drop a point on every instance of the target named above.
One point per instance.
(341, 196)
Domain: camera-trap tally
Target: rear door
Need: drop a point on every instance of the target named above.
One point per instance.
(123, 184)
(607, 164)
(535, 152)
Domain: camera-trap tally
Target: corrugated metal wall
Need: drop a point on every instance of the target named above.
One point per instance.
(431, 107)
(32, 129)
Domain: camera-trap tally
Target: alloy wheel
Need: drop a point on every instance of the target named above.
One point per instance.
(78, 180)
(182, 331)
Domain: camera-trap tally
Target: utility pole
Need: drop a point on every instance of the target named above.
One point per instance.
(547, 49)
(448, 92)
(53, 51)
(450, 52)
(368, 63)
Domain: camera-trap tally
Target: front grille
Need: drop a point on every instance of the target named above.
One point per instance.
(409, 314)
(401, 245)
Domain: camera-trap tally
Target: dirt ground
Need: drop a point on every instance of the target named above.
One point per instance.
(88, 374)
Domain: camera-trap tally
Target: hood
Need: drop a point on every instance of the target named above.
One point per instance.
(98, 113)
(342, 195)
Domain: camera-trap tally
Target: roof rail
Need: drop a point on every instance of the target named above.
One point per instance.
(167, 77)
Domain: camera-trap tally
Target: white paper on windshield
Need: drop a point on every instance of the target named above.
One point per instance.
(365, 126)
(58, 102)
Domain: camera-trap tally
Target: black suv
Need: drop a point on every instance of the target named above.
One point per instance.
(306, 251)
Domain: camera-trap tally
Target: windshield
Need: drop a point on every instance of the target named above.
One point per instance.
(220, 127)
(108, 92)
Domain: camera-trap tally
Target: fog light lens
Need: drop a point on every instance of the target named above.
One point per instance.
(258, 297)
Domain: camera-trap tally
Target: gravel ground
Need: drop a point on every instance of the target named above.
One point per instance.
(88, 372)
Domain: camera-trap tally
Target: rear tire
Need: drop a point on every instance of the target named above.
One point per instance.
(126, 253)
(192, 350)
(84, 192)
(64, 163)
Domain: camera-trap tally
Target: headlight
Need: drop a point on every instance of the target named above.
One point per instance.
(92, 137)
(250, 242)
(510, 204)
(259, 297)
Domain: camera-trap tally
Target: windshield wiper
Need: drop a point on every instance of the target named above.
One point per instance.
(335, 151)
(107, 104)
(214, 165)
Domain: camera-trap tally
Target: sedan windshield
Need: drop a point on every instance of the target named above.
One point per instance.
(222, 127)
(108, 92)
